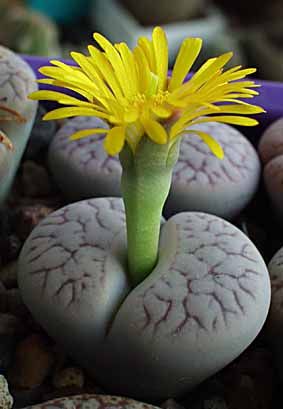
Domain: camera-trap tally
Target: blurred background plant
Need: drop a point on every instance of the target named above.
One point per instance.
(27, 31)
(253, 30)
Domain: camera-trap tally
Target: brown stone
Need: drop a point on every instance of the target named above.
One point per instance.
(214, 402)
(6, 400)
(10, 246)
(27, 397)
(249, 381)
(69, 377)
(171, 404)
(35, 180)
(8, 275)
(2, 287)
(10, 325)
(28, 216)
(33, 362)
(11, 302)
(62, 392)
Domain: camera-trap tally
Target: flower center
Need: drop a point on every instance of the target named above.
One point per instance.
(139, 101)
(142, 102)
(160, 98)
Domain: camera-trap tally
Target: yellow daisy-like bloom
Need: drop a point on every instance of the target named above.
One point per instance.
(132, 92)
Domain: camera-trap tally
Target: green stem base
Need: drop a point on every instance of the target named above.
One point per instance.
(145, 185)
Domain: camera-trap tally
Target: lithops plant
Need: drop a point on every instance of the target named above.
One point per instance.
(274, 325)
(92, 402)
(91, 172)
(271, 153)
(151, 309)
(17, 114)
(202, 182)
(203, 303)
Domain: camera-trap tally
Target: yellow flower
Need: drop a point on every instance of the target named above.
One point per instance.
(131, 90)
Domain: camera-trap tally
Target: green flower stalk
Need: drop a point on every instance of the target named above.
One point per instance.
(145, 184)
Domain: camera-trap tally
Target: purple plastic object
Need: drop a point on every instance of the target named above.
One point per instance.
(270, 98)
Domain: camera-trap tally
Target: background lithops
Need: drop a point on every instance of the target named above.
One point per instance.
(271, 153)
(92, 402)
(17, 114)
(202, 182)
(82, 168)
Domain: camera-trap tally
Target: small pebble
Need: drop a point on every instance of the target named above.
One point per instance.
(35, 180)
(10, 324)
(11, 329)
(69, 377)
(215, 403)
(256, 233)
(11, 302)
(5, 221)
(271, 141)
(28, 216)
(7, 349)
(8, 275)
(33, 362)
(10, 247)
(249, 381)
(41, 135)
(171, 404)
(63, 392)
(26, 397)
(6, 400)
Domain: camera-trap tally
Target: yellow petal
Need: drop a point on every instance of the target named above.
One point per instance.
(45, 95)
(187, 55)
(241, 109)
(160, 47)
(68, 112)
(86, 66)
(233, 120)
(202, 76)
(238, 75)
(175, 130)
(106, 70)
(155, 131)
(62, 75)
(77, 79)
(134, 134)
(161, 111)
(86, 132)
(142, 69)
(213, 145)
(129, 67)
(115, 139)
(62, 84)
(61, 65)
(146, 45)
(153, 85)
(48, 81)
(115, 60)
(131, 115)
(246, 109)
